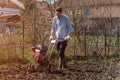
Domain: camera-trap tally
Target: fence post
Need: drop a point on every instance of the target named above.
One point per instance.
(23, 40)
(74, 45)
(34, 23)
(117, 35)
(85, 41)
(105, 40)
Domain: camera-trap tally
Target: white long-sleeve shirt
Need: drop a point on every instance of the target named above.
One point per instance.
(61, 27)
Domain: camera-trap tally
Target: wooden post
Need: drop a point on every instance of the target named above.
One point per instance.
(23, 41)
(34, 23)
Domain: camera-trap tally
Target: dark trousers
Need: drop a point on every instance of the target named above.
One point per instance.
(61, 46)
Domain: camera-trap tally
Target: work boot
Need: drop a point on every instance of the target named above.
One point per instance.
(60, 64)
(64, 63)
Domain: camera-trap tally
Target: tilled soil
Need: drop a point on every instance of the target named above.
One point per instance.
(81, 71)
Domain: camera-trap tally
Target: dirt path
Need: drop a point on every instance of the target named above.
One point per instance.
(74, 72)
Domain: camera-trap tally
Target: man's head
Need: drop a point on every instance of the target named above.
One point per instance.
(58, 11)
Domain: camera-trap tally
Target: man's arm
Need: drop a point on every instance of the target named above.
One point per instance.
(52, 30)
(69, 25)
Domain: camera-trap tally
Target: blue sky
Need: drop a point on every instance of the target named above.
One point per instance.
(49, 1)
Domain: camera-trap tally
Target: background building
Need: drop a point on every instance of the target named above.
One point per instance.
(9, 13)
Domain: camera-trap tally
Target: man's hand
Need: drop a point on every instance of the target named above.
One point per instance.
(51, 38)
(53, 41)
(67, 37)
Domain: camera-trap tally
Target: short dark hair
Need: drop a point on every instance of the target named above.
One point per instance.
(59, 9)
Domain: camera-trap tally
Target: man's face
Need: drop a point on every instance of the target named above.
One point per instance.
(58, 14)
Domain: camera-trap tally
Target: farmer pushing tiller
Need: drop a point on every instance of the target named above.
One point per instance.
(62, 28)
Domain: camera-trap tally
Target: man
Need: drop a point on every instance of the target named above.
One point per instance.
(62, 28)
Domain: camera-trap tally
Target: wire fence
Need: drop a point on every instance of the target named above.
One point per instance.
(12, 40)
(103, 41)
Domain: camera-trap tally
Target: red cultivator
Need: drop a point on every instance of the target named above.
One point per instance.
(45, 62)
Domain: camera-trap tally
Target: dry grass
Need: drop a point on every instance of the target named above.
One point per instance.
(11, 49)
